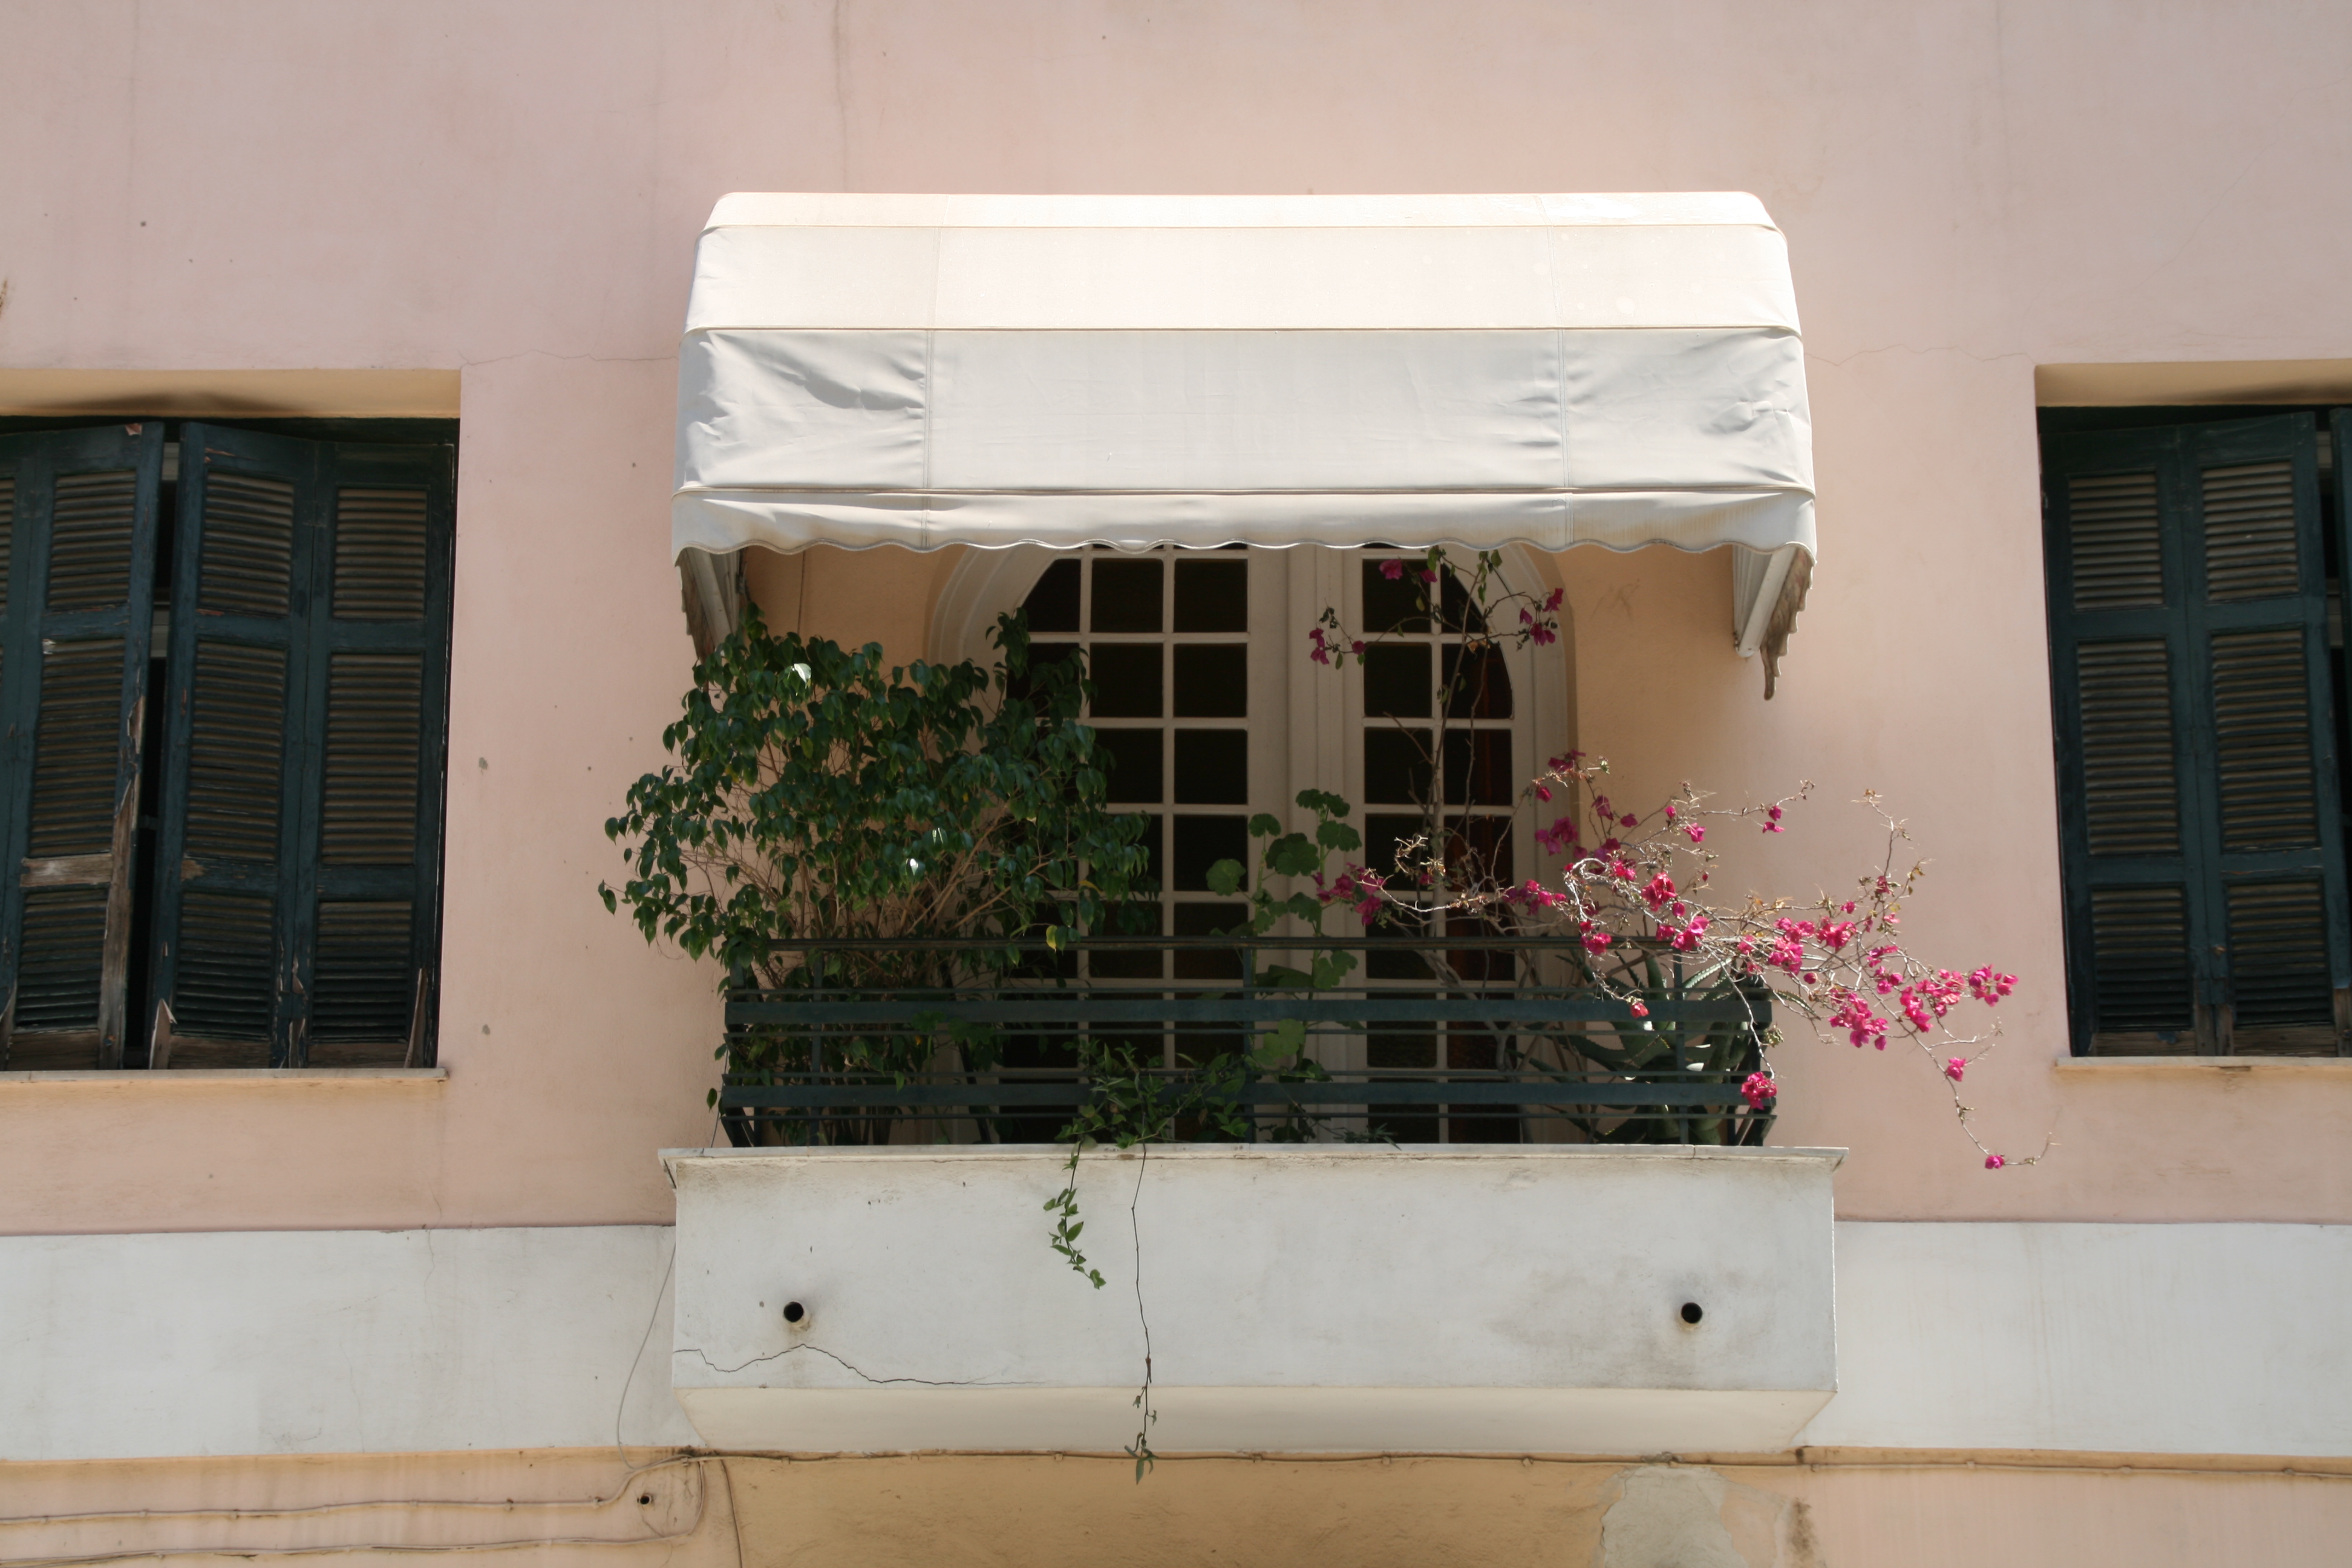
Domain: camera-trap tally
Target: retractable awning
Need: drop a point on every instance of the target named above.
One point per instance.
(1550, 371)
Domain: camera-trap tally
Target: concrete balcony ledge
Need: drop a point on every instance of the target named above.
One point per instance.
(1301, 1298)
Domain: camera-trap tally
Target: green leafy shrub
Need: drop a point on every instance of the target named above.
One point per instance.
(819, 795)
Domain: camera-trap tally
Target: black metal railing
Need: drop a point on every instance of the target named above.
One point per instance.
(1479, 1039)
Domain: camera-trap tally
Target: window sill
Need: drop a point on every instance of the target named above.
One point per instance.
(2113, 1067)
(316, 1077)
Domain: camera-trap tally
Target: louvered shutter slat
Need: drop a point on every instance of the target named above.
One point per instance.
(2250, 531)
(91, 530)
(2116, 542)
(368, 810)
(2140, 936)
(2127, 748)
(236, 755)
(2263, 735)
(2282, 1003)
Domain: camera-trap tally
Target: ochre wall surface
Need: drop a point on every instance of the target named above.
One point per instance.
(509, 193)
(1892, 1510)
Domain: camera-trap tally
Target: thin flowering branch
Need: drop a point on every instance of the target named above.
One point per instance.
(1634, 885)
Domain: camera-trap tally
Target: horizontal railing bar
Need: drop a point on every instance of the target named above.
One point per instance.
(1108, 1007)
(981, 1099)
(1448, 943)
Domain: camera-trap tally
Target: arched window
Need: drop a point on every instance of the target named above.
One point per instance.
(1211, 710)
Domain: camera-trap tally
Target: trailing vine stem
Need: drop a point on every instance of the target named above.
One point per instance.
(1141, 1452)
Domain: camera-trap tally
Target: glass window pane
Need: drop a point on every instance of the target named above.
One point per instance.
(1131, 759)
(1201, 842)
(1213, 767)
(1040, 654)
(1127, 679)
(1394, 606)
(1211, 596)
(1053, 604)
(1396, 680)
(1396, 766)
(1127, 596)
(1208, 920)
(1213, 681)
(1480, 845)
(1456, 609)
(1478, 767)
(1484, 688)
(1140, 919)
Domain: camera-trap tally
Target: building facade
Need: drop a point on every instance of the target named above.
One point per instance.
(339, 1218)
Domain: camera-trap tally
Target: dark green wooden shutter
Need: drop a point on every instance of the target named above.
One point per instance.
(79, 554)
(297, 890)
(2201, 822)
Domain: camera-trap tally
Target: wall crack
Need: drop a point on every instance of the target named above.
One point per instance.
(856, 1372)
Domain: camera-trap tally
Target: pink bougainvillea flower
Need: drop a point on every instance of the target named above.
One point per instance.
(1392, 570)
(1357, 647)
(1427, 575)
(1552, 603)
(1544, 636)
(1543, 792)
(1956, 1067)
(1994, 1161)
(1639, 1011)
(1758, 1092)
(1698, 834)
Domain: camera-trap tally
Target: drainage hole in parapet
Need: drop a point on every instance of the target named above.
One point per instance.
(1692, 1311)
(795, 1312)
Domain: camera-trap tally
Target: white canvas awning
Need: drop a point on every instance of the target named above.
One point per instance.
(991, 371)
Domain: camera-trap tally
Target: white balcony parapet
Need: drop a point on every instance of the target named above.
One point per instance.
(1301, 1298)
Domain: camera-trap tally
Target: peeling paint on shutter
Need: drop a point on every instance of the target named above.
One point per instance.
(79, 549)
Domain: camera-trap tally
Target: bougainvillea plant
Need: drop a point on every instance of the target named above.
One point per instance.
(1636, 888)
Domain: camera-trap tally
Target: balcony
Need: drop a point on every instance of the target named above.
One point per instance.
(1481, 1213)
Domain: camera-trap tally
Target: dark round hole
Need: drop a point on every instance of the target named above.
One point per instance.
(645, 1499)
(1692, 1311)
(795, 1312)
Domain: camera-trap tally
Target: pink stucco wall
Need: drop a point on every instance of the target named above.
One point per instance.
(511, 191)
